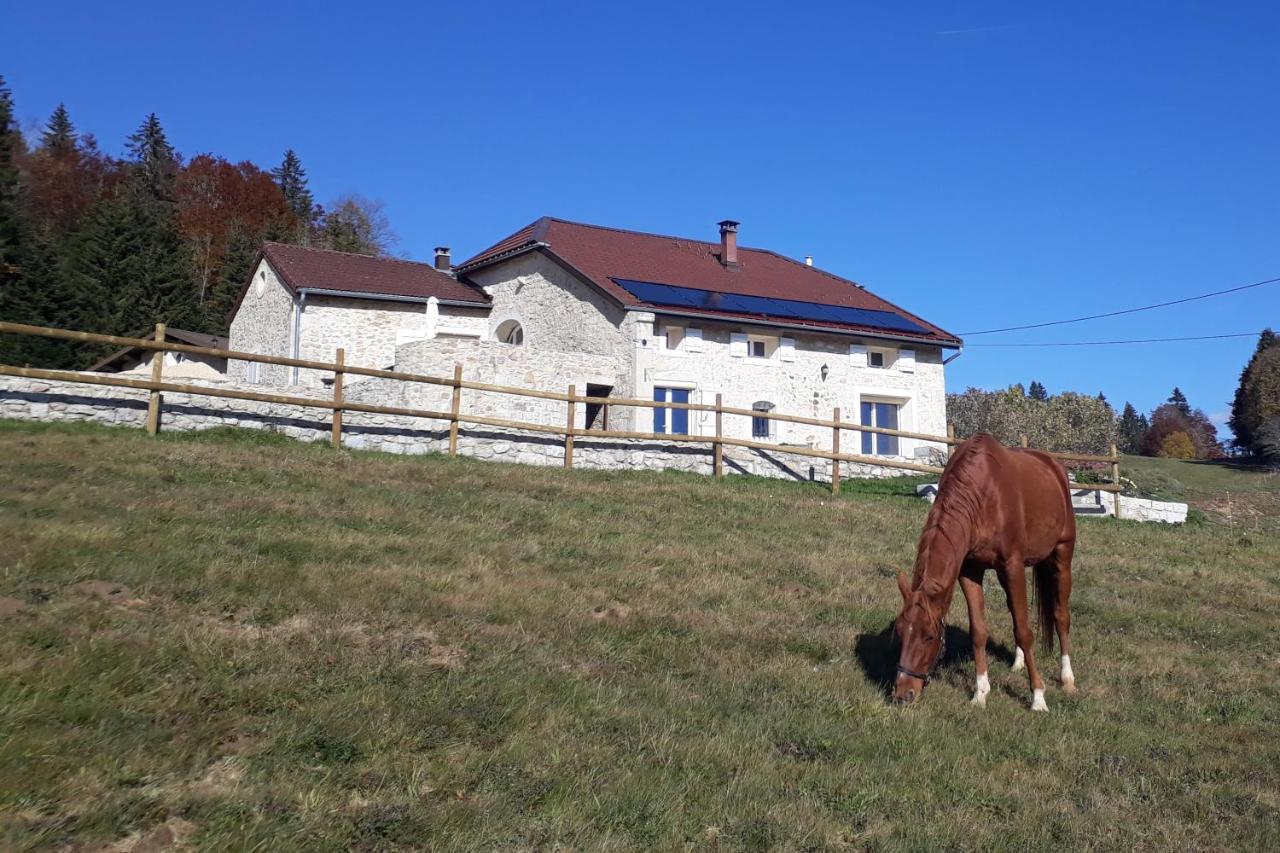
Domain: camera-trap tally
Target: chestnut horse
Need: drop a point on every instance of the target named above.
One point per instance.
(997, 508)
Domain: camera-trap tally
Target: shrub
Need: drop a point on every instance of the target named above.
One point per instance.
(1178, 445)
(1068, 422)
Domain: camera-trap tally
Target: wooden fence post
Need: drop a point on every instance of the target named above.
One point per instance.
(1115, 478)
(454, 407)
(717, 448)
(157, 373)
(835, 449)
(951, 433)
(1023, 440)
(339, 358)
(568, 430)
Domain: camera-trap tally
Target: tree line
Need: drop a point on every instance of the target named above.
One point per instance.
(116, 244)
(1081, 423)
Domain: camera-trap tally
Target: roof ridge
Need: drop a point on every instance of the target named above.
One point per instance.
(388, 258)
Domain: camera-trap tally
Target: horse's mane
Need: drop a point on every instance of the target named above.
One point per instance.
(948, 531)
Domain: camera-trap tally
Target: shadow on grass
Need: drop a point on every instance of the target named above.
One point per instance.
(877, 654)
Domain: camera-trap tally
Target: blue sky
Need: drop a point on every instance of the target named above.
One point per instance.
(982, 164)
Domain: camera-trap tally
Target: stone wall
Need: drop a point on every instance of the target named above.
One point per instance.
(28, 399)
(264, 325)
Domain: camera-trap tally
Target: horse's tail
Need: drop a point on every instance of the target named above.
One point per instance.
(1046, 580)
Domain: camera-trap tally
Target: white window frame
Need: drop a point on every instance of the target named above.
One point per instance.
(906, 416)
(695, 423)
(253, 372)
(770, 348)
(888, 355)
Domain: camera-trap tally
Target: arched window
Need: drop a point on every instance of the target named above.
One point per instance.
(510, 332)
(762, 427)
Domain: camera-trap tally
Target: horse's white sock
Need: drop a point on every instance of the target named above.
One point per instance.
(1018, 659)
(981, 690)
(1037, 701)
(1068, 677)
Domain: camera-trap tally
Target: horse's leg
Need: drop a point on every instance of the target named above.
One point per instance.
(1014, 580)
(971, 586)
(1062, 611)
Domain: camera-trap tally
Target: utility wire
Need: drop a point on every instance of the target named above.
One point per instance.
(1134, 341)
(1125, 311)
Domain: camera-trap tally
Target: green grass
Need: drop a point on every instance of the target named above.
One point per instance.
(333, 651)
(1225, 491)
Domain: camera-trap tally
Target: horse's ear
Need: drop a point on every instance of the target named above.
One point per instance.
(904, 585)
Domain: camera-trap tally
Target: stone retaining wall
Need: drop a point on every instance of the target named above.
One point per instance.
(30, 399)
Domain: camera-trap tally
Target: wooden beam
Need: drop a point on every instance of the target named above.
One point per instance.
(835, 450)
(717, 448)
(568, 429)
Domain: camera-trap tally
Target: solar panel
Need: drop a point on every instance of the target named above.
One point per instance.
(674, 296)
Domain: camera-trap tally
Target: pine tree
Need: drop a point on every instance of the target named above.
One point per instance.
(1037, 391)
(154, 159)
(292, 179)
(59, 135)
(1179, 399)
(1243, 423)
(1131, 430)
(131, 269)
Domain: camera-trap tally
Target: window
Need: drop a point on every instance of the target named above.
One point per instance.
(756, 349)
(671, 421)
(762, 427)
(597, 414)
(252, 372)
(510, 332)
(880, 358)
(885, 416)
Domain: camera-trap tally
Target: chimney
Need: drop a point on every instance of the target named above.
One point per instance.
(729, 244)
(442, 258)
(808, 260)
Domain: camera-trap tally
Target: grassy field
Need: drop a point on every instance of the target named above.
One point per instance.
(326, 651)
(1226, 491)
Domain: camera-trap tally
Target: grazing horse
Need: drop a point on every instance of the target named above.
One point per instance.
(997, 508)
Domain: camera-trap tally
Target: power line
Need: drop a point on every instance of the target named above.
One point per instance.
(1125, 311)
(1134, 341)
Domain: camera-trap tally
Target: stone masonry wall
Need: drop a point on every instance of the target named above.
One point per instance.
(28, 399)
(263, 325)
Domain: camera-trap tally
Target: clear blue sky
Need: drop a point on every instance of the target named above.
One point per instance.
(982, 164)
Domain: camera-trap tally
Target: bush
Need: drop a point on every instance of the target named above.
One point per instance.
(1177, 445)
(1068, 422)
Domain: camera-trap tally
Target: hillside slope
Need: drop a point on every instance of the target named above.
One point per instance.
(322, 650)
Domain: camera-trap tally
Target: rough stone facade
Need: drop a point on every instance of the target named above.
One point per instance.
(263, 324)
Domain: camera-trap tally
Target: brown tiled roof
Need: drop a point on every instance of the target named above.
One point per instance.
(601, 254)
(302, 267)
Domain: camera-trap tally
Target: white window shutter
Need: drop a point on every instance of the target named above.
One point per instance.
(858, 355)
(693, 340)
(787, 349)
(907, 360)
(738, 345)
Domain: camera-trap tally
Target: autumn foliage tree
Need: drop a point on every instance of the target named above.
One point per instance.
(223, 207)
(94, 242)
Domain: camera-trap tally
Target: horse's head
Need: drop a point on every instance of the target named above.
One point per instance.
(921, 637)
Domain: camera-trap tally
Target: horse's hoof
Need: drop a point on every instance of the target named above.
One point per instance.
(1070, 687)
(979, 700)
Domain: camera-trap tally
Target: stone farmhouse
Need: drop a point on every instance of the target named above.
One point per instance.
(615, 313)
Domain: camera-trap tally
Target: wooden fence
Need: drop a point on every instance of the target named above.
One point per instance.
(456, 416)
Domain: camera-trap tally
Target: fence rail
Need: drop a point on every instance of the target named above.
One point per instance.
(455, 416)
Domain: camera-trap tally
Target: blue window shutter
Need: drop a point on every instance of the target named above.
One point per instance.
(867, 437)
(659, 415)
(680, 417)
